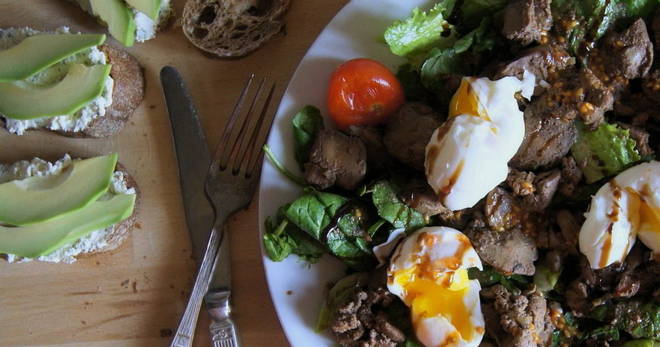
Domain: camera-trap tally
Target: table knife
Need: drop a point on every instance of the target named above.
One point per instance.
(193, 157)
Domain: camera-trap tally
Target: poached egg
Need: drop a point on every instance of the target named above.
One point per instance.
(428, 271)
(623, 209)
(468, 155)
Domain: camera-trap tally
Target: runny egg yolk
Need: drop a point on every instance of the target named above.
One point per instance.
(465, 101)
(648, 216)
(441, 296)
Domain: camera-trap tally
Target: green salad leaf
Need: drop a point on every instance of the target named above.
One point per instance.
(449, 60)
(306, 124)
(282, 238)
(605, 151)
(412, 85)
(593, 18)
(337, 296)
(489, 276)
(641, 320)
(473, 11)
(314, 210)
(605, 332)
(392, 209)
(420, 32)
(545, 279)
(640, 343)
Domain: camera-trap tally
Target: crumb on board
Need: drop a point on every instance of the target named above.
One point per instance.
(167, 332)
(289, 292)
(134, 285)
(125, 283)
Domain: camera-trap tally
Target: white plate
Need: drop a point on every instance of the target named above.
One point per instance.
(296, 288)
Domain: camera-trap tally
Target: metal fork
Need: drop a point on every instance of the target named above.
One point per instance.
(229, 186)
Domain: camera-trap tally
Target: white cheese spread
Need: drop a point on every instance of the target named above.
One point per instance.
(146, 27)
(55, 73)
(96, 240)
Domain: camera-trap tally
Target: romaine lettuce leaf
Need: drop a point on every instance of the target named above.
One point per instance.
(422, 31)
(605, 151)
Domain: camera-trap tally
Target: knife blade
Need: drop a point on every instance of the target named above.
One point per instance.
(193, 157)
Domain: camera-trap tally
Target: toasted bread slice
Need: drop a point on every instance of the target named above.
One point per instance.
(97, 243)
(232, 28)
(127, 94)
(146, 28)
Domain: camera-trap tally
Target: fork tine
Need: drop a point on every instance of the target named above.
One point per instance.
(258, 154)
(247, 155)
(220, 148)
(237, 148)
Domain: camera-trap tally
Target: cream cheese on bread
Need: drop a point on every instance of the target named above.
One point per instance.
(83, 117)
(92, 242)
(146, 28)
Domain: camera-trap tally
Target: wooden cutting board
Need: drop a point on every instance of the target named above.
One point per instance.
(135, 295)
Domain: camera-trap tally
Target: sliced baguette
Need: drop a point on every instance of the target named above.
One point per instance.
(164, 18)
(232, 28)
(120, 231)
(127, 94)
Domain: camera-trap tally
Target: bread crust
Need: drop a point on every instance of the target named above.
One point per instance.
(127, 94)
(232, 28)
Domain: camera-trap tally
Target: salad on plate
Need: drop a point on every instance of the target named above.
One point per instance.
(501, 188)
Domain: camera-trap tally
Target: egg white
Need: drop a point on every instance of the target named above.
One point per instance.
(615, 216)
(446, 250)
(468, 155)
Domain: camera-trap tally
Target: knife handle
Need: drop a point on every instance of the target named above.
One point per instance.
(222, 328)
(186, 330)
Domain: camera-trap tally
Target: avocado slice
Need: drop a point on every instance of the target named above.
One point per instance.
(82, 84)
(35, 53)
(149, 7)
(119, 19)
(41, 198)
(44, 238)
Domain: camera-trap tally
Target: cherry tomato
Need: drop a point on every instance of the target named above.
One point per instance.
(363, 92)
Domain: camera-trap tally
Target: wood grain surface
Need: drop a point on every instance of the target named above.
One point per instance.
(135, 295)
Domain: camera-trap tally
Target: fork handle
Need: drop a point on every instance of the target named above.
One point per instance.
(223, 329)
(186, 330)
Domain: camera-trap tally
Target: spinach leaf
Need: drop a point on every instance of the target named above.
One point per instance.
(489, 276)
(473, 11)
(412, 84)
(606, 333)
(314, 210)
(593, 18)
(282, 239)
(306, 124)
(339, 295)
(641, 320)
(449, 60)
(342, 239)
(280, 167)
(392, 209)
(278, 246)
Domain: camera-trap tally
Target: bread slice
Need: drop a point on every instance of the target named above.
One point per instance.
(232, 28)
(103, 242)
(128, 93)
(146, 28)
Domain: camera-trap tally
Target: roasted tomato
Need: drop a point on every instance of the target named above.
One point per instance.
(363, 92)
